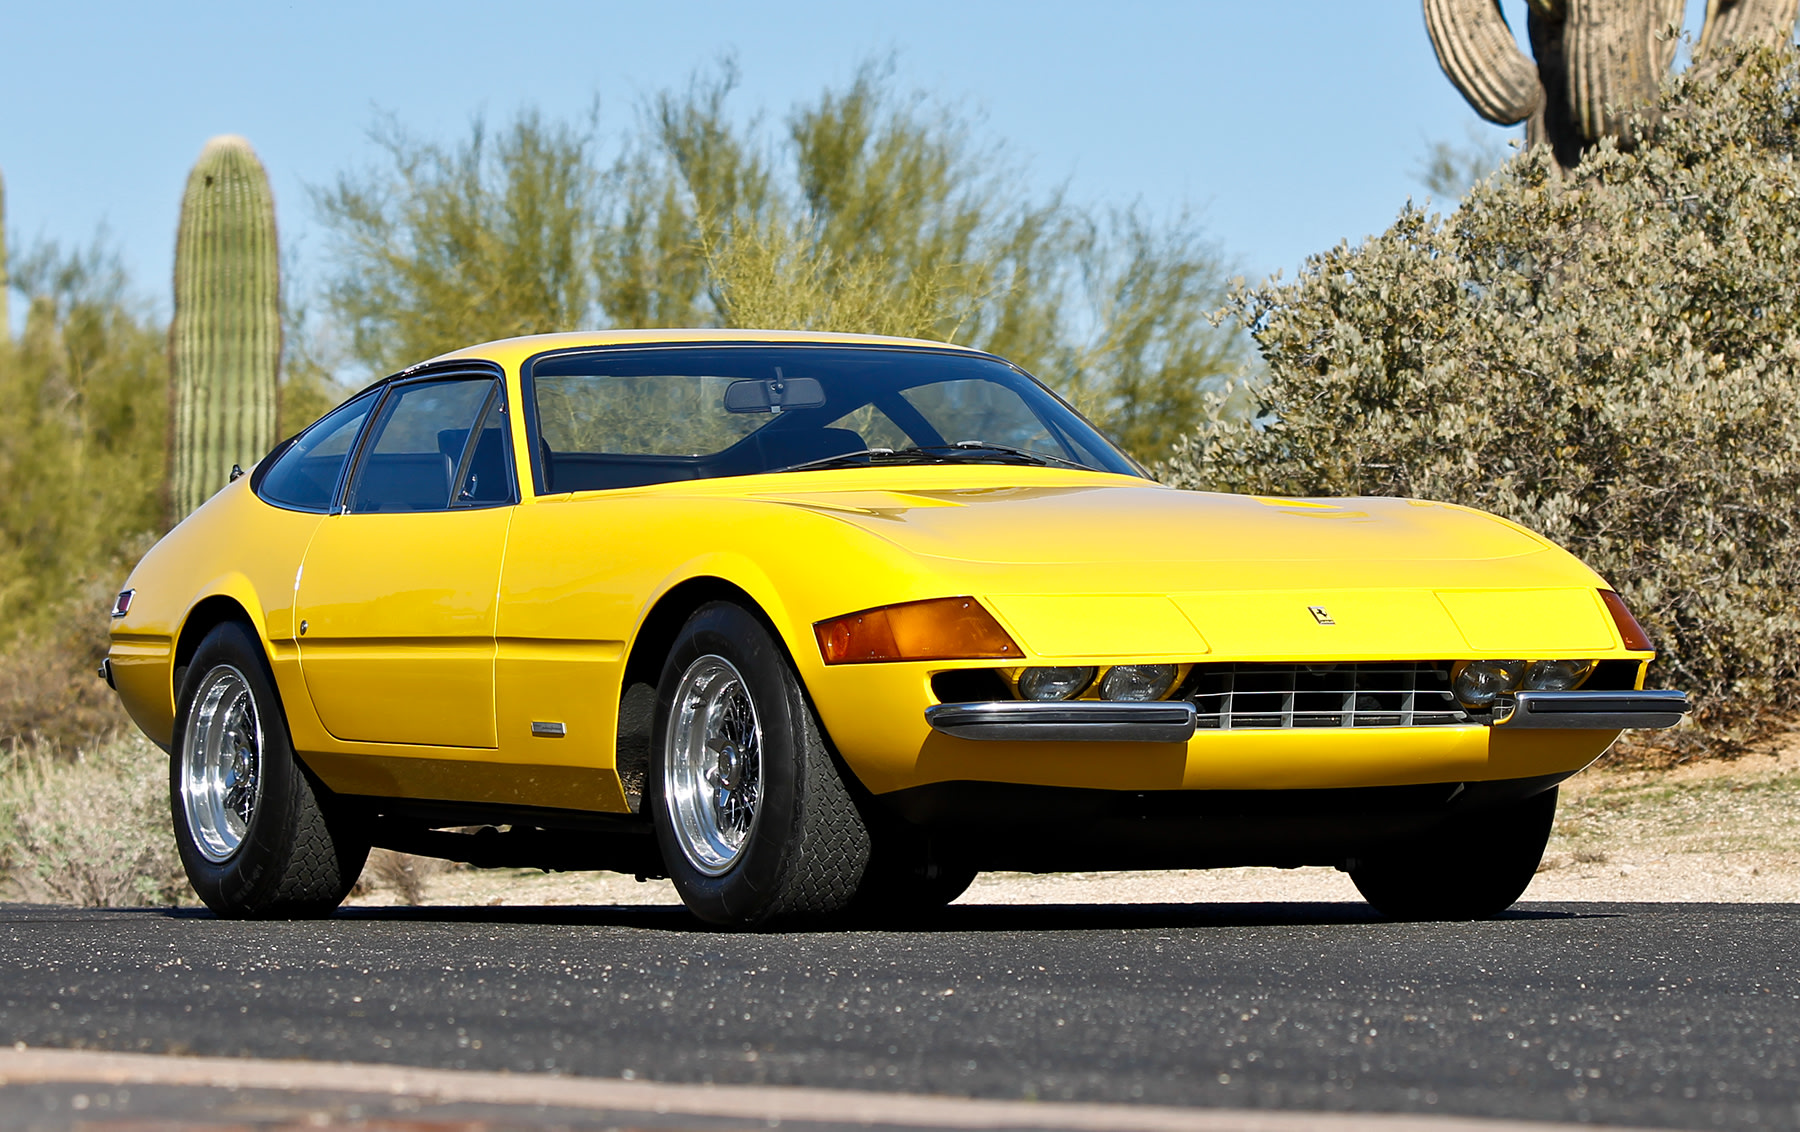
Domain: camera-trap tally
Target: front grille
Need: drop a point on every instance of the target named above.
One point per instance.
(1234, 697)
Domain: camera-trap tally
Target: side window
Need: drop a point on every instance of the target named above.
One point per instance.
(486, 480)
(416, 446)
(305, 477)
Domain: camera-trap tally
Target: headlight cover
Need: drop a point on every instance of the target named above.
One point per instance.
(1054, 683)
(1137, 683)
(1556, 675)
(1478, 682)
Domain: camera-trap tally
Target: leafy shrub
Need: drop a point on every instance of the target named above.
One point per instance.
(1607, 356)
(873, 214)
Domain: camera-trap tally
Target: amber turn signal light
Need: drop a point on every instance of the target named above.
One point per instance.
(945, 628)
(1629, 630)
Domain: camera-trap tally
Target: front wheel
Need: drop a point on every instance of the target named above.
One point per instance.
(1472, 869)
(249, 824)
(910, 877)
(752, 816)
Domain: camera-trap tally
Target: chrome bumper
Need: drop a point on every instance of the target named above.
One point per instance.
(1594, 711)
(1173, 721)
(1162, 722)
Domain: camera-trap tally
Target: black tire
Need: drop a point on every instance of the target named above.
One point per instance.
(909, 878)
(1474, 868)
(801, 852)
(293, 858)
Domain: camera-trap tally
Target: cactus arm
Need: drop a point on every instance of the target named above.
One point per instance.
(1748, 22)
(1476, 49)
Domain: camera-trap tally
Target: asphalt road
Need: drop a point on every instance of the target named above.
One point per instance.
(1670, 1015)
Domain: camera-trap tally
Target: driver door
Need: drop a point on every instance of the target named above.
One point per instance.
(396, 597)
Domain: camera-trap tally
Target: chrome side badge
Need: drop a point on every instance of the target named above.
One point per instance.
(542, 730)
(1320, 615)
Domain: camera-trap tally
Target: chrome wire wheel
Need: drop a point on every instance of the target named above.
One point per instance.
(712, 765)
(221, 763)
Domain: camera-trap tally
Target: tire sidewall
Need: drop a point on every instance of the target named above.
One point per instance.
(746, 892)
(248, 879)
(1474, 868)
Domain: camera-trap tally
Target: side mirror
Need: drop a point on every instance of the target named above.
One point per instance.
(773, 395)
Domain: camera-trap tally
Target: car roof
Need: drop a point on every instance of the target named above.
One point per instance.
(512, 352)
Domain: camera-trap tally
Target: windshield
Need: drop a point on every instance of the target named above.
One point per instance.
(622, 418)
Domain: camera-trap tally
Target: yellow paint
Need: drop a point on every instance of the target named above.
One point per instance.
(870, 711)
(1529, 623)
(418, 775)
(400, 613)
(1366, 624)
(1098, 625)
(433, 641)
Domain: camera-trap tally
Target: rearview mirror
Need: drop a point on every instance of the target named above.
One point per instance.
(773, 395)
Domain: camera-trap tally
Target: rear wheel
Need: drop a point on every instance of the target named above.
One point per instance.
(752, 816)
(1474, 868)
(252, 832)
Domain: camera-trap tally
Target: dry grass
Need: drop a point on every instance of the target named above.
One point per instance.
(49, 692)
(89, 827)
(401, 876)
(1745, 809)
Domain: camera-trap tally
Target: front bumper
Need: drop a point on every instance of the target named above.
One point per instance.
(1080, 721)
(1173, 721)
(1594, 711)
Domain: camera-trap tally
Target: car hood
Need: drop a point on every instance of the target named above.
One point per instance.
(1109, 524)
(1110, 569)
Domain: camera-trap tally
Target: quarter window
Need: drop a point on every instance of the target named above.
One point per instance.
(416, 450)
(305, 477)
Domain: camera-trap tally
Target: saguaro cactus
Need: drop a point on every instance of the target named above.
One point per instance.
(225, 340)
(1596, 60)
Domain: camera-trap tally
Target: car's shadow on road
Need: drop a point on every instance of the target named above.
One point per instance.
(984, 918)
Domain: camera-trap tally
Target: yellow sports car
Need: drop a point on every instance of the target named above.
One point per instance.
(812, 623)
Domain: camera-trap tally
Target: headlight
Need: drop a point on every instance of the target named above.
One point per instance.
(1054, 683)
(1556, 675)
(1137, 682)
(1479, 681)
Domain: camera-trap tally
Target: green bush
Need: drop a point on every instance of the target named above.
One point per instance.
(84, 401)
(1607, 356)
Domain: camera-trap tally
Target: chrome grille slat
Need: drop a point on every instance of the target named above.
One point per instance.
(1236, 697)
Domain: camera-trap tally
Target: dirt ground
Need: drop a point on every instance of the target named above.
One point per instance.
(1720, 830)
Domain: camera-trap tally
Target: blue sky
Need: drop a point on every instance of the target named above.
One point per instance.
(1285, 127)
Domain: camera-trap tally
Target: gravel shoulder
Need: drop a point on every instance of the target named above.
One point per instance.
(1724, 831)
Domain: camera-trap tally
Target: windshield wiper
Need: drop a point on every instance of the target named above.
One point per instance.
(963, 451)
(1025, 454)
(885, 455)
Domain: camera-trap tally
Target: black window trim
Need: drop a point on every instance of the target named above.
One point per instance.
(261, 471)
(469, 367)
(423, 376)
(528, 388)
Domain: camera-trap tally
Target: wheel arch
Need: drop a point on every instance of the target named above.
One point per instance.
(206, 615)
(650, 647)
(656, 634)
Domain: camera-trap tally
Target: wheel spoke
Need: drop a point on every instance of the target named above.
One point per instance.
(221, 763)
(713, 764)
